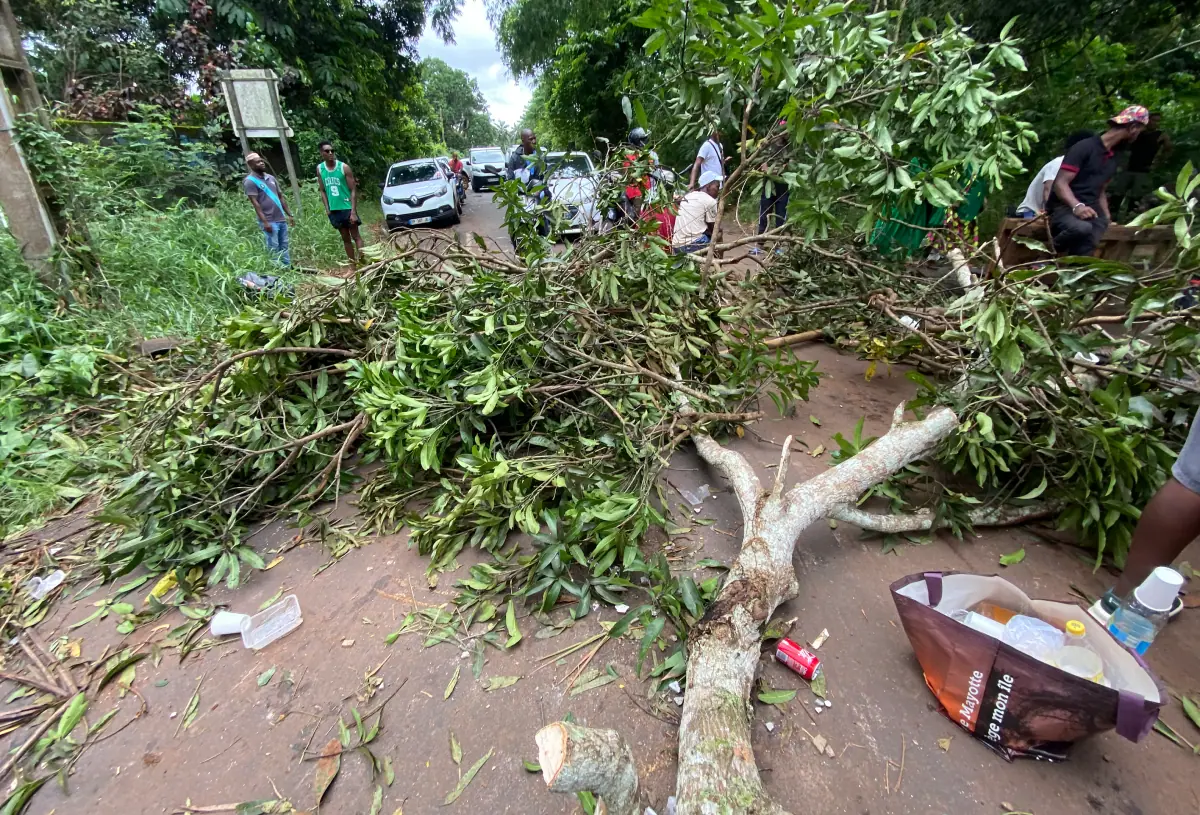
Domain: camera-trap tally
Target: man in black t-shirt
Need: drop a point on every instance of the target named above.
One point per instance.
(1135, 182)
(1078, 204)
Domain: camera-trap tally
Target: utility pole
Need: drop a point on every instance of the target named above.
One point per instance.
(25, 211)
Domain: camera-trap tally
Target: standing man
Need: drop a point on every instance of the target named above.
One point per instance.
(521, 163)
(1078, 204)
(525, 165)
(339, 193)
(1135, 182)
(696, 221)
(775, 192)
(274, 217)
(709, 159)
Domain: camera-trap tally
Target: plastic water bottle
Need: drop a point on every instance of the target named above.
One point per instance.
(1140, 617)
(1032, 636)
(1077, 657)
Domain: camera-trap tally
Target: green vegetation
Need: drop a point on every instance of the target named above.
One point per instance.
(165, 248)
(540, 395)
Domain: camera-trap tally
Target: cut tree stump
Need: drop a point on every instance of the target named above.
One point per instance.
(717, 772)
(581, 759)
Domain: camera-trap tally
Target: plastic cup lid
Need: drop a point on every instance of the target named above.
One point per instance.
(1075, 628)
(1160, 589)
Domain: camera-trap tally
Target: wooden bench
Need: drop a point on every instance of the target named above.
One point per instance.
(1140, 247)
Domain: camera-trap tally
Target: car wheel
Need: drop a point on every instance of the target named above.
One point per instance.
(475, 186)
(453, 219)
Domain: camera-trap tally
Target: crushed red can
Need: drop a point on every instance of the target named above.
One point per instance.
(798, 659)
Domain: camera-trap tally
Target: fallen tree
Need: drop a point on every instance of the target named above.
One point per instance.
(717, 771)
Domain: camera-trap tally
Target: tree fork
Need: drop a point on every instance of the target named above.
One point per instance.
(717, 771)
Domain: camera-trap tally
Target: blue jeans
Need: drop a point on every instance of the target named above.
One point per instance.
(777, 203)
(694, 246)
(277, 242)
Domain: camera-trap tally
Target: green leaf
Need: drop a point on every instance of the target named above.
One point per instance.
(691, 596)
(389, 774)
(455, 749)
(817, 685)
(119, 668)
(1035, 492)
(510, 622)
(20, 797)
(531, 766)
(453, 681)
(465, 781)
(814, 420)
(1191, 709)
(71, 716)
(265, 676)
(984, 422)
(622, 625)
(376, 801)
(776, 697)
(1165, 729)
(590, 680)
(498, 682)
(1013, 558)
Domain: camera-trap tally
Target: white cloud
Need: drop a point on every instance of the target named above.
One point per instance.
(475, 52)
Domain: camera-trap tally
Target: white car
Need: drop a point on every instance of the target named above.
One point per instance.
(572, 180)
(485, 166)
(416, 193)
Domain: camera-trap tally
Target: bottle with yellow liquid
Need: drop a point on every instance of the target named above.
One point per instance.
(1077, 657)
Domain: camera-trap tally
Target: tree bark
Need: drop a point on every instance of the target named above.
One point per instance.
(578, 759)
(998, 515)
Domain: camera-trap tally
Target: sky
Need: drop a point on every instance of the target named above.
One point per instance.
(475, 52)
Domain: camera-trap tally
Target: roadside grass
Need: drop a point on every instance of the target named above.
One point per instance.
(162, 273)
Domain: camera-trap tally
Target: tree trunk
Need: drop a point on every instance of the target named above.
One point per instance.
(717, 773)
(578, 759)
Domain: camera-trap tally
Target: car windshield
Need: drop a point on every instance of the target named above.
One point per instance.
(571, 167)
(411, 174)
(487, 157)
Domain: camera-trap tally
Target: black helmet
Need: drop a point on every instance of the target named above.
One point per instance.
(638, 137)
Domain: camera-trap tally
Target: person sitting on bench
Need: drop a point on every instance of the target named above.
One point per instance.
(1078, 204)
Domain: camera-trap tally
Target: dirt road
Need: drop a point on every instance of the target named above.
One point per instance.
(249, 740)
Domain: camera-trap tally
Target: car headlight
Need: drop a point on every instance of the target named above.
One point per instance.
(445, 189)
(387, 199)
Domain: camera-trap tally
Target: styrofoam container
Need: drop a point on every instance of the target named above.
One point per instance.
(267, 626)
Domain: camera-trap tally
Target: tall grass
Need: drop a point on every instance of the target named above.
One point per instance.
(169, 272)
(172, 272)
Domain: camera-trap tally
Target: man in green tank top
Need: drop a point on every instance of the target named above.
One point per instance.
(339, 191)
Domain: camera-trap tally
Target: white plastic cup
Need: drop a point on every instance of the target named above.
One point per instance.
(1160, 589)
(225, 623)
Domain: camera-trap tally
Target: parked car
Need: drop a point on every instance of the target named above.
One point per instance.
(485, 167)
(418, 192)
(572, 180)
(444, 163)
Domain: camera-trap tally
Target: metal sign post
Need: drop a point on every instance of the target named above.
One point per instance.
(252, 95)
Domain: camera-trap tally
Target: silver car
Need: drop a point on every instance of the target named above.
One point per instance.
(571, 178)
(485, 167)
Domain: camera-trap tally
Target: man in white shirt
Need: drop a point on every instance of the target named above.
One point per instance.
(710, 158)
(1039, 189)
(697, 216)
